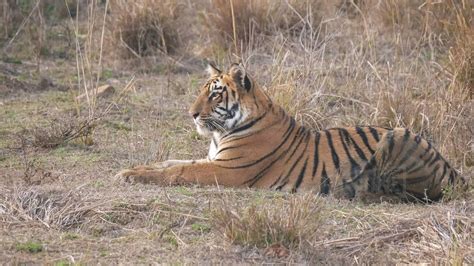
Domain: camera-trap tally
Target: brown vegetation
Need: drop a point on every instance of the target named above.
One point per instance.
(145, 27)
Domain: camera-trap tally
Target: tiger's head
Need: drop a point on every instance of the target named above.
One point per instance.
(226, 101)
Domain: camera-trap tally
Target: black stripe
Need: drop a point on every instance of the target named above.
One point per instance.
(255, 101)
(374, 179)
(246, 126)
(285, 138)
(436, 158)
(368, 167)
(259, 175)
(247, 84)
(417, 139)
(218, 111)
(287, 176)
(316, 153)
(363, 136)
(431, 157)
(406, 136)
(420, 179)
(251, 134)
(350, 140)
(391, 141)
(325, 185)
(214, 141)
(391, 144)
(300, 176)
(227, 101)
(233, 110)
(418, 168)
(425, 152)
(335, 158)
(411, 167)
(408, 154)
(229, 159)
(445, 168)
(374, 133)
(355, 167)
(228, 148)
(304, 136)
(452, 176)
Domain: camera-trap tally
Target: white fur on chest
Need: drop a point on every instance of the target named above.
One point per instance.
(211, 155)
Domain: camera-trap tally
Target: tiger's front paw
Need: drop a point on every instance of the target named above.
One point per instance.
(133, 176)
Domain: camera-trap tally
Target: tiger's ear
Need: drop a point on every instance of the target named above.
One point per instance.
(240, 77)
(212, 69)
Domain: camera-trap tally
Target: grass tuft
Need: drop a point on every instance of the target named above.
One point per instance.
(50, 208)
(145, 27)
(288, 222)
(30, 246)
(62, 131)
(238, 22)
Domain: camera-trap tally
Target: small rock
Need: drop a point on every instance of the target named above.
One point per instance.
(277, 251)
(45, 83)
(102, 91)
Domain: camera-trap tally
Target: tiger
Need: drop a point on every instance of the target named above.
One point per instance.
(254, 143)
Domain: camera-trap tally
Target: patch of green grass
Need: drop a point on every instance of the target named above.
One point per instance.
(30, 246)
(98, 184)
(195, 135)
(201, 227)
(12, 60)
(183, 190)
(103, 253)
(171, 240)
(97, 232)
(62, 263)
(119, 125)
(70, 236)
(107, 74)
(59, 98)
(69, 154)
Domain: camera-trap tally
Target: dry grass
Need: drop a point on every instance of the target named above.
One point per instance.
(439, 234)
(288, 222)
(62, 131)
(145, 27)
(239, 23)
(53, 209)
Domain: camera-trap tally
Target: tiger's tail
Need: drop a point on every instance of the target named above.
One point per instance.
(406, 165)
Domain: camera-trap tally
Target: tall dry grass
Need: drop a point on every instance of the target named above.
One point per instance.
(145, 27)
(237, 23)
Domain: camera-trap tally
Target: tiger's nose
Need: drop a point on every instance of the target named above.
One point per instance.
(195, 115)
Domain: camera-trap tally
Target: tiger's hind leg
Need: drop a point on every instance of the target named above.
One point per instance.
(404, 165)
